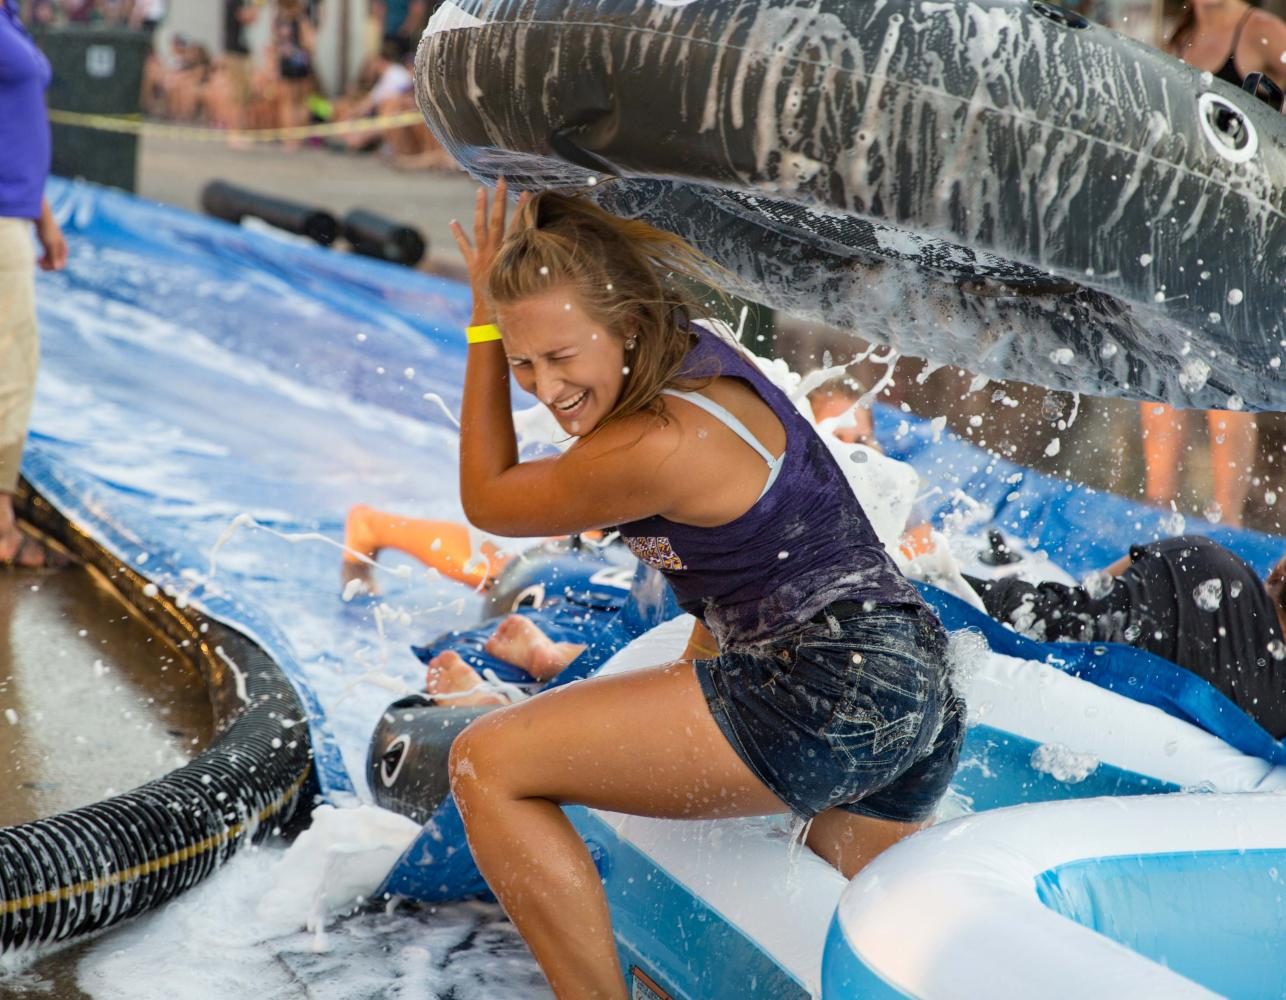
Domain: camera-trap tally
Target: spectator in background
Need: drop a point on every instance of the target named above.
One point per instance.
(294, 36)
(1229, 39)
(173, 88)
(238, 16)
(403, 21)
(25, 140)
(392, 91)
(147, 15)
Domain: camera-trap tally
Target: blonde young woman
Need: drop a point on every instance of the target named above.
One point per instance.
(815, 679)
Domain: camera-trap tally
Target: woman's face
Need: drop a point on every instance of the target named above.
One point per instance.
(563, 358)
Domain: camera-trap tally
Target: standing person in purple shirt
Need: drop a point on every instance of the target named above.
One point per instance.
(815, 681)
(24, 165)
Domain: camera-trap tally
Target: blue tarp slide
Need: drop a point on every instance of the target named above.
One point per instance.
(193, 372)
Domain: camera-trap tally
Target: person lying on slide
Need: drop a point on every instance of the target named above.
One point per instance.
(815, 681)
(1187, 599)
(516, 640)
(559, 621)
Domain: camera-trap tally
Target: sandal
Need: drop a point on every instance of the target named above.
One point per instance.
(50, 557)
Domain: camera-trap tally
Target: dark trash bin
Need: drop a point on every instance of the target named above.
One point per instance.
(95, 71)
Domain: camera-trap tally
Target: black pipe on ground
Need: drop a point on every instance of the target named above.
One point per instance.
(81, 871)
(374, 235)
(232, 204)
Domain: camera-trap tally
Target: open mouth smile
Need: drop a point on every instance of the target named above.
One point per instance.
(572, 404)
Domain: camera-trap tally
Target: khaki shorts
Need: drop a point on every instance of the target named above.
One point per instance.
(239, 76)
(19, 347)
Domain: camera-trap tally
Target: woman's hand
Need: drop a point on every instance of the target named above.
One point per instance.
(488, 234)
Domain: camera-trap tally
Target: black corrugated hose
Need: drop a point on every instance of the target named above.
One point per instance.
(84, 870)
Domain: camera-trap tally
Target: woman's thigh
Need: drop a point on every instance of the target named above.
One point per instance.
(643, 743)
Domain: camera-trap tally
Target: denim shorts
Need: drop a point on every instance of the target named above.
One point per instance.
(855, 711)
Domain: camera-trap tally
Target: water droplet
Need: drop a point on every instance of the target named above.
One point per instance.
(1209, 594)
(1062, 356)
(1145, 259)
(1235, 295)
(1234, 589)
(859, 456)
(1193, 374)
(1277, 649)
(1097, 585)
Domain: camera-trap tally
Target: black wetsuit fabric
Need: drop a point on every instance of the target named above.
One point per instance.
(1164, 603)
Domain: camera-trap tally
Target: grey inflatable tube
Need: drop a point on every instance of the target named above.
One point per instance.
(1003, 186)
(406, 764)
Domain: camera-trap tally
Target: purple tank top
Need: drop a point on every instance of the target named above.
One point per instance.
(805, 544)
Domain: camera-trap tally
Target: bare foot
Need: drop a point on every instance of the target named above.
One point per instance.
(358, 538)
(520, 641)
(450, 675)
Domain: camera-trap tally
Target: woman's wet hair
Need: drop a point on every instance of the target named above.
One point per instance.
(630, 277)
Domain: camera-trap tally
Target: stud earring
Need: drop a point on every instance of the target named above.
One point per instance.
(631, 344)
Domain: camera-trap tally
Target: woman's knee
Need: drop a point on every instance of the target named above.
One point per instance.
(475, 763)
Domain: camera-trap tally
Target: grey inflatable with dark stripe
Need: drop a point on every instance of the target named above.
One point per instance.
(1002, 186)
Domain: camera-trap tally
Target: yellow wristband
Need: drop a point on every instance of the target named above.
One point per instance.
(481, 334)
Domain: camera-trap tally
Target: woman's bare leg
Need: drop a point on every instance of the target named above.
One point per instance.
(520, 641)
(1234, 440)
(1162, 440)
(642, 743)
(848, 841)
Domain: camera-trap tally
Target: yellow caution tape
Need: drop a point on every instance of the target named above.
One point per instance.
(134, 125)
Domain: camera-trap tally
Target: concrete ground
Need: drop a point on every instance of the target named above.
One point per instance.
(92, 703)
(176, 171)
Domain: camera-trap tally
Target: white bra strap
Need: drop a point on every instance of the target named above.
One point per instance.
(721, 413)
